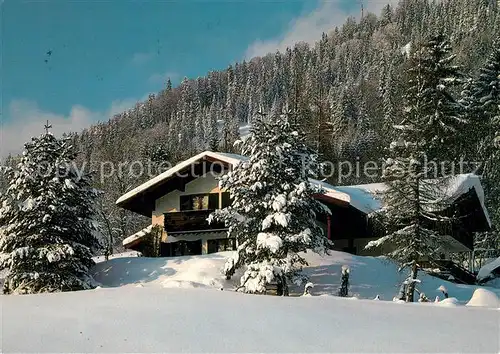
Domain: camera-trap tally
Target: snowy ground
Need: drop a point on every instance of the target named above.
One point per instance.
(175, 305)
(369, 276)
(193, 320)
(99, 259)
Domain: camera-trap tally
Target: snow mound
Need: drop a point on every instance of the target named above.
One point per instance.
(369, 276)
(449, 302)
(175, 272)
(484, 298)
(99, 259)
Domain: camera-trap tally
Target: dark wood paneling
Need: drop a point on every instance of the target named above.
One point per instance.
(193, 220)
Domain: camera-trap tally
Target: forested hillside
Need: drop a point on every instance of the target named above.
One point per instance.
(345, 91)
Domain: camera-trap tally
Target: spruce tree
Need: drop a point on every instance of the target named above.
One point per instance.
(273, 211)
(440, 109)
(48, 233)
(484, 110)
(211, 126)
(413, 200)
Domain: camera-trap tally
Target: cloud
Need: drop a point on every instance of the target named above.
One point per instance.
(309, 27)
(26, 119)
(162, 77)
(141, 58)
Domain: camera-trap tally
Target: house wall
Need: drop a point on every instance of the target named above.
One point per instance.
(348, 226)
(171, 201)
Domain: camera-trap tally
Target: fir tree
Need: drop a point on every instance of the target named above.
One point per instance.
(230, 124)
(484, 101)
(412, 200)
(48, 233)
(444, 115)
(211, 127)
(273, 212)
(484, 110)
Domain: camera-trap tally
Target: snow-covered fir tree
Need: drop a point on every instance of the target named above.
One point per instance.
(484, 109)
(273, 211)
(443, 114)
(413, 200)
(48, 233)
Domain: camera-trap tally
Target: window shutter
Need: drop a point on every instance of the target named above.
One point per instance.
(213, 201)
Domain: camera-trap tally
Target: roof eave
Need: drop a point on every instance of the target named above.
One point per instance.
(165, 176)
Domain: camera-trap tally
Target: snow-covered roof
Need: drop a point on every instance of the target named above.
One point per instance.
(488, 269)
(460, 184)
(367, 197)
(232, 159)
(364, 197)
(137, 236)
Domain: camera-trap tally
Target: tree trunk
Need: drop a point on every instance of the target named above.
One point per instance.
(282, 286)
(285, 286)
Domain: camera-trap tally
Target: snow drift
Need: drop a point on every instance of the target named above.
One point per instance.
(484, 298)
(369, 277)
(130, 319)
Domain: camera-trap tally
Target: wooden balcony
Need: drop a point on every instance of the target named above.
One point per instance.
(189, 221)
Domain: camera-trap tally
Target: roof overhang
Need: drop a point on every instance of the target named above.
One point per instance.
(135, 239)
(142, 199)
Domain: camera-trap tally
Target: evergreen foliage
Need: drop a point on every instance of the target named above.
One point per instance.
(414, 227)
(152, 242)
(273, 211)
(48, 234)
(344, 91)
(483, 98)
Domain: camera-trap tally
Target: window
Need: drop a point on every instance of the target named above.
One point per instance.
(221, 245)
(199, 201)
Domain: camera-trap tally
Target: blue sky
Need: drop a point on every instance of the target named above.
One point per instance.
(106, 55)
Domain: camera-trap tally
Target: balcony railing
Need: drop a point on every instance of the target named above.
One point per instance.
(190, 220)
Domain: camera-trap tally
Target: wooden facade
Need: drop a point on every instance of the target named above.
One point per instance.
(189, 221)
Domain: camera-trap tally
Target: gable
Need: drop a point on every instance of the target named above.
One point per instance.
(142, 199)
(207, 183)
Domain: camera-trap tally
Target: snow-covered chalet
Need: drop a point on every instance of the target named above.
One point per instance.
(180, 199)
